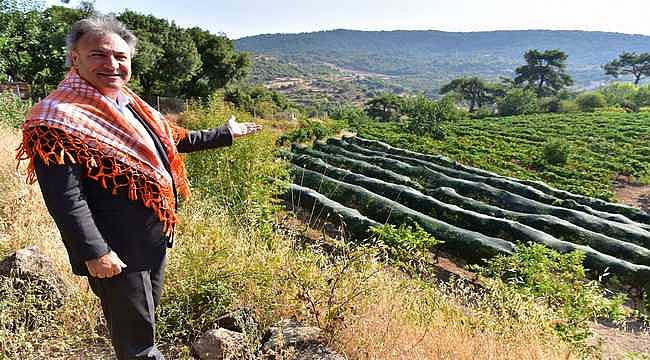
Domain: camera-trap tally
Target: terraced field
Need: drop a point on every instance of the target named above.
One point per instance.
(477, 213)
(604, 147)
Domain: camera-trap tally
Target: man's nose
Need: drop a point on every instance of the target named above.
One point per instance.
(111, 62)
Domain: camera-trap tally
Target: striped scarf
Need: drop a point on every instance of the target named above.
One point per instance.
(76, 124)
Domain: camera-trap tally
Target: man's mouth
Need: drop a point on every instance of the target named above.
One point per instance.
(110, 75)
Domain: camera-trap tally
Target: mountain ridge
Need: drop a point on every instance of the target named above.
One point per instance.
(423, 60)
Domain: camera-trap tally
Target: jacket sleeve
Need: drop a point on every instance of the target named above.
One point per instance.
(205, 139)
(62, 190)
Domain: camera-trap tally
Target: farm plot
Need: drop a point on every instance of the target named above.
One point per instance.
(605, 148)
(478, 214)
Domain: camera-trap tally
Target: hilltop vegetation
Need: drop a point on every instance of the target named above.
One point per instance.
(424, 60)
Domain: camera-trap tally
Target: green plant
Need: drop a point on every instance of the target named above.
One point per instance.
(307, 131)
(560, 280)
(408, 247)
(193, 307)
(518, 101)
(567, 106)
(590, 101)
(426, 116)
(329, 295)
(556, 152)
(12, 109)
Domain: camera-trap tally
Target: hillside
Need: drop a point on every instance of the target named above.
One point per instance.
(423, 60)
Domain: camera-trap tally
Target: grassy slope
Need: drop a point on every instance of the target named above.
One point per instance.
(228, 255)
(603, 146)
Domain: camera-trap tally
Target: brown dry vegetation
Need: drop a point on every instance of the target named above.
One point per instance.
(372, 312)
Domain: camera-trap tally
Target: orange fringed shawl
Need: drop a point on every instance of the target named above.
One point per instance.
(76, 124)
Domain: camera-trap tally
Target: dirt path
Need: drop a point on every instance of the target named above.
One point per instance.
(621, 342)
(634, 195)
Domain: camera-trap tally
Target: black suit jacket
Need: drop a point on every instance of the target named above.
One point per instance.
(93, 221)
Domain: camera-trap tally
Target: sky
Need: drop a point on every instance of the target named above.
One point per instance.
(252, 17)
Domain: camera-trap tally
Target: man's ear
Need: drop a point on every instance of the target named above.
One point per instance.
(74, 58)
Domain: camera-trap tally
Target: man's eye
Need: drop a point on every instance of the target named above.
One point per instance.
(121, 57)
(96, 55)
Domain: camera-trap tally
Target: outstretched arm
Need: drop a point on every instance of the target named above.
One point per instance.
(197, 140)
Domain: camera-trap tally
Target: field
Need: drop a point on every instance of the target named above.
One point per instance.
(476, 214)
(605, 148)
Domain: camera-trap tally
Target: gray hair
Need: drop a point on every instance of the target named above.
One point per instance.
(97, 25)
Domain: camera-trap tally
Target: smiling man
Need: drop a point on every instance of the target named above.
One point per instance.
(109, 169)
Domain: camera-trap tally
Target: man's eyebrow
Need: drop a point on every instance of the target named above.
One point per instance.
(104, 50)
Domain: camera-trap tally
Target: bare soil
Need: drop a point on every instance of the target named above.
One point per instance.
(634, 195)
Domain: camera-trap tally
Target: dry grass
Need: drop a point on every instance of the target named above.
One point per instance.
(414, 321)
(24, 221)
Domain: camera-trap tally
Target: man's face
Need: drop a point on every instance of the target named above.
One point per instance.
(104, 61)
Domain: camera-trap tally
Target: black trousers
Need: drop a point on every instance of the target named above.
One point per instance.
(129, 301)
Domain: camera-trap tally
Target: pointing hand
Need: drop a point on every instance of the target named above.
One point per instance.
(242, 129)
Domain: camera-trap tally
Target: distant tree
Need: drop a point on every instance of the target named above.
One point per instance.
(220, 63)
(426, 116)
(386, 107)
(32, 46)
(629, 63)
(167, 57)
(473, 91)
(544, 72)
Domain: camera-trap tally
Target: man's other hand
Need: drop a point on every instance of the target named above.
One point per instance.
(105, 266)
(242, 129)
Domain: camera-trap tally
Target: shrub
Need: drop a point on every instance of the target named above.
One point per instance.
(518, 101)
(196, 306)
(483, 112)
(426, 116)
(12, 109)
(408, 247)
(549, 104)
(560, 281)
(567, 106)
(556, 152)
(619, 93)
(590, 101)
(308, 131)
(642, 96)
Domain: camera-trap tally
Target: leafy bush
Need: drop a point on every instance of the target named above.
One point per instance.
(559, 280)
(567, 106)
(550, 104)
(12, 109)
(590, 101)
(236, 178)
(483, 112)
(308, 131)
(556, 152)
(196, 307)
(256, 100)
(426, 116)
(408, 247)
(518, 101)
(619, 93)
(642, 96)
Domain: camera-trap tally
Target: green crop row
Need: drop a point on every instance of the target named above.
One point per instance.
(603, 147)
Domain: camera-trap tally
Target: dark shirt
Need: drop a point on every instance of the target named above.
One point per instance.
(92, 221)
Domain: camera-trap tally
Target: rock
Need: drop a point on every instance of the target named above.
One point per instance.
(220, 344)
(307, 342)
(31, 271)
(241, 320)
